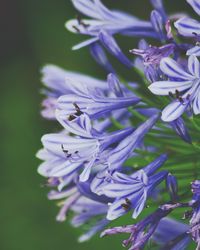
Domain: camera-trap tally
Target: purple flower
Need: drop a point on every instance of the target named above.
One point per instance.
(130, 192)
(189, 27)
(103, 24)
(61, 82)
(87, 210)
(94, 102)
(125, 148)
(152, 56)
(172, 186)
(171, 234)
(66, 154)
(180, 128)
(104, 19)
(159, 7)
(184, 85)
(141, 232)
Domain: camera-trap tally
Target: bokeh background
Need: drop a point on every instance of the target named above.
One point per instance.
(33, 34)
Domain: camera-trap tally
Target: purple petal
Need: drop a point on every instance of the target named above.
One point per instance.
(188, 27)
(194, 51)
(173, 111)
(110, 44)
(179, 126)
(165, 87)
(196, 104)
(172, 69)
(100, 57)
(87, 7)
(193, 66)
(195, 5)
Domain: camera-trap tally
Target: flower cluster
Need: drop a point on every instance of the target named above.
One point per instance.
(123, 146)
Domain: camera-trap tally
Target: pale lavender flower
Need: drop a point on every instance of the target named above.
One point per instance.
(103, 24)
(104, 19)
(130, 191)
(189, 27)
(151, 57)
(60, 82)
(184, 85)
(66, 154)
(94, 102)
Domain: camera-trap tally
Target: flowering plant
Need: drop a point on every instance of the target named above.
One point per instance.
(128, 149)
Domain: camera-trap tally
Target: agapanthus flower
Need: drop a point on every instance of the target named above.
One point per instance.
(66, 154)
(189, 27)
(140, 232)
(94, 102)
(103, 24)
(171, 234)
(104, 19)
(60, 82)
(184, 85)
(131, 191)
(152, 56)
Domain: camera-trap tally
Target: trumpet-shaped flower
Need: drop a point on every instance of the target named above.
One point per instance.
(184, 85)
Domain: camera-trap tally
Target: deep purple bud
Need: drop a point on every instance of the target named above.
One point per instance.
(100, 57)
(158, 24)
(179, 127)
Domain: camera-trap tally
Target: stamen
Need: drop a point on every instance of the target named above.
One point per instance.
(78, 111)
(125, 206)
(76, 28)
(71, 117)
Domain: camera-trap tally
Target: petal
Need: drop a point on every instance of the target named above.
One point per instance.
(100, 56)
(188, 27)
(172, 69)
(165, 87)
(194, 51)
(87, 7)
(196, 104)
(99, 226)
(154, 165)
(116, 190)
(84, 176)
(195, 5)
(140, 205)
(116, 210)
(193, 66)
(65, 168)
(158, 23)
(119, 155)
(180, 128)
(110, 44)
(79, 126)
(61, 80)
(173, 111)
(114, 85)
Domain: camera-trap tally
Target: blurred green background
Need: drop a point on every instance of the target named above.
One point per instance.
(33, 34)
